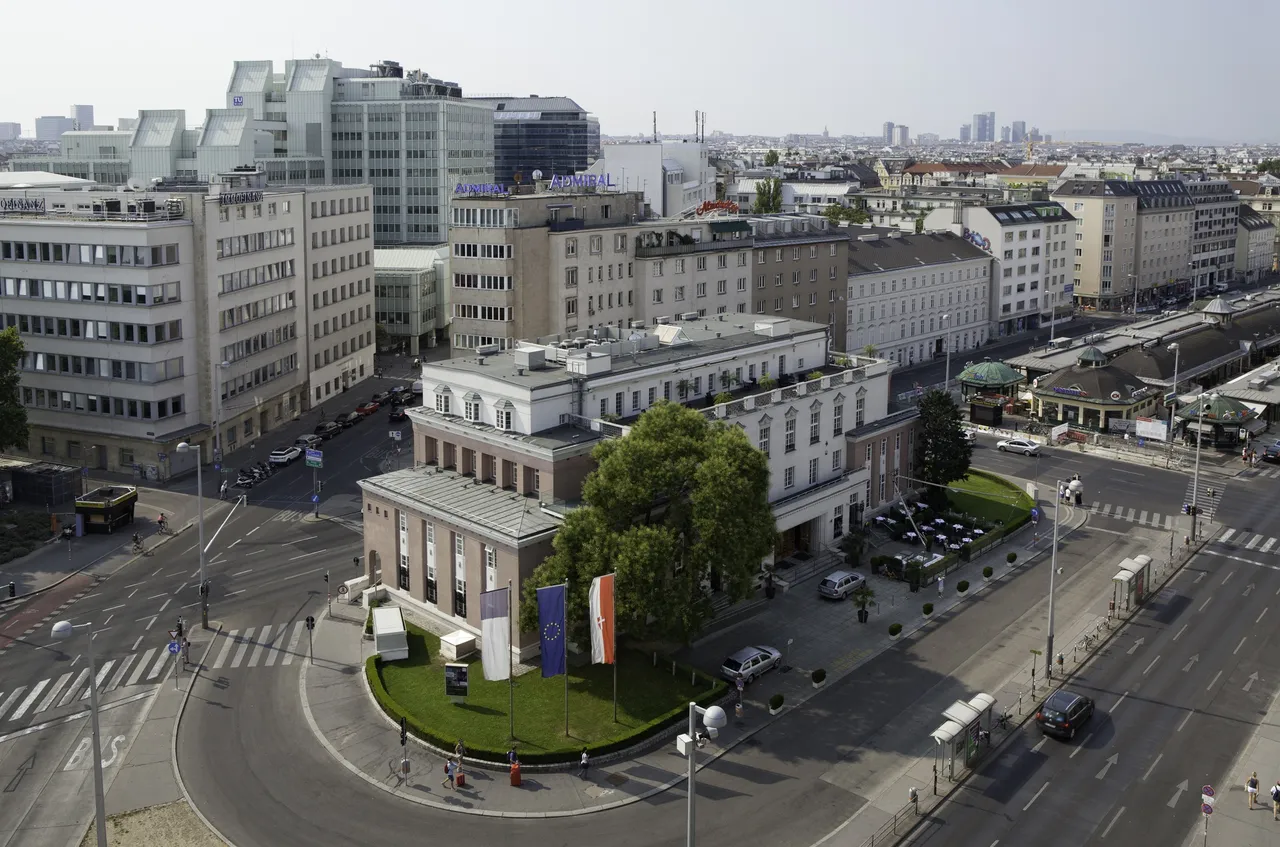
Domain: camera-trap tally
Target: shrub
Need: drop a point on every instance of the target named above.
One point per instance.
(965, 552)
(895, 628)
(1011, 558)
(962, 586)
(812, 375)
(368, 620)
(776, 701)
(928, 608)
(988, 570)
(768, 383)
(820, 675)
(722, 397)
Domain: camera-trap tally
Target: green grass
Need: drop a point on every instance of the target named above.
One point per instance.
(648, 699)
(989, 497)
(21, 532)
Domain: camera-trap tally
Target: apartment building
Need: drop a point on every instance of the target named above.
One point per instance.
(800, 271)
(1029, 243)
(1263, 196)
(912, 296)
(1106, 213)
(1165, 212)
(1213, 239)
(191, 324)
(503, 443)
(1255, 239)
(410, 288)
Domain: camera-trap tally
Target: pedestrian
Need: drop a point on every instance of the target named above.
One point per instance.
(1251, 786)
(459, 749)
(1275, 801)
(584, 764)
(941, 584)
(448, 774)
(512, 758)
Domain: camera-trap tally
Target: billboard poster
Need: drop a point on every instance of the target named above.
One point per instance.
(455, 680)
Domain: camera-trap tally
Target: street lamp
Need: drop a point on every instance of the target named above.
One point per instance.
(714, 719)
(1195, 479)
(1074, 488)
(1173, 406)
(185, 447)
(216, 408)
(1134, 277)
(63, 630)
(946, 383)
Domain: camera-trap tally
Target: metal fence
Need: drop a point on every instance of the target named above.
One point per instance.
(896, 827)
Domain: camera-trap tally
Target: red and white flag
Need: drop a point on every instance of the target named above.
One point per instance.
(602, 620)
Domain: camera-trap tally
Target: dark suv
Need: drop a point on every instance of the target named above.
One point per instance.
(1063, 713)
(1271, 452)
(328, 429)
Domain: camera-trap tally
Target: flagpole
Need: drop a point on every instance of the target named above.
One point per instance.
(511, 671)
(565, 639)
(615, 646)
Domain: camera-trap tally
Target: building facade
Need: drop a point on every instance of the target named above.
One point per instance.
(505, 439)
(674, 176)
(51, 127)
(1255, 240)
(909, 294)
(410, 288)
(1165, 212)
(10, 131)
(1213, 240)
(1263, 196)
(1106, 213)
(548, 135)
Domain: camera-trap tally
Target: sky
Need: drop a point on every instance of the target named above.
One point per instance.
(1133, 68)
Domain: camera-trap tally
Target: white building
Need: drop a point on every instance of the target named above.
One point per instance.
(1255, 240)
(909, 293)
(1030, 243)
(804, 196)
(10, 131)
(83, 116)
(191, 323)
(675, 176)
(411, 294)
(51, 127)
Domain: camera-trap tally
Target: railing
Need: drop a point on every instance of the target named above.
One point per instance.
(656, 251)
(900, 824)
(160, 214)
(568, 225)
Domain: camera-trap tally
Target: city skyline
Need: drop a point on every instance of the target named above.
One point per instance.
(1061, 97)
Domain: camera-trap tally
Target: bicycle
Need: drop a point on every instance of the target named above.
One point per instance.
(1086, 642)
(1003, 721)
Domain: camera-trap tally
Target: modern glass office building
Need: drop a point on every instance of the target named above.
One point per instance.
(550, 134)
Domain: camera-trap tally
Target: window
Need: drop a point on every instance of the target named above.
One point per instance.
(813, 471)
(502, 419)
(789, 478)
(764, 438)
(471, 409)
(570, 248)
(789, 435)
(442, 403)
(459, 577)
(815, 422)
(837, 427)
(836, 464)
(490, 568)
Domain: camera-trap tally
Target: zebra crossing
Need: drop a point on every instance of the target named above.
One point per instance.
(260, 647)
(1134, 515)
(1267, 472)
(1249, 541)
(31, 702)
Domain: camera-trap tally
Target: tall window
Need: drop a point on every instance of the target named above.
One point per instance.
(837, 427)
(490, 568)
(459, 577)
(764, 439)
(813, 471)
(429, 532)
(402, 570)
(815, 423)
(789, 435)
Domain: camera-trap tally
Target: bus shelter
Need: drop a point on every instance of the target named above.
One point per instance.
(961, 736)
(1132, 583)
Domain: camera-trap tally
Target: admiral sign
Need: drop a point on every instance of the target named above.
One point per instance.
(485, 188)
(559, 181)
(237, 198)
(22, 205)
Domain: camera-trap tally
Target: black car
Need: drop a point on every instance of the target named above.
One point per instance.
(349, 419)
(397, 415)
(328, 429)
(1271, 453)
(1063, 713)
(382, 396)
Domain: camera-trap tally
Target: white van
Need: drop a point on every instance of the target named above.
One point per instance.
(1220, 288)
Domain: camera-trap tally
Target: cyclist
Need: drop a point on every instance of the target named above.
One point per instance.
(137, 542)
(164, 523)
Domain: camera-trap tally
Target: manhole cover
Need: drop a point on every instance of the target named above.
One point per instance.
(615, 779)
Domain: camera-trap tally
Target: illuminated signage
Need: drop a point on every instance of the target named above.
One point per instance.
(977, 239)
(480, 188)
(237, 100)
(1070, 392)
(583, 181)
(237, 198)
(27, 205)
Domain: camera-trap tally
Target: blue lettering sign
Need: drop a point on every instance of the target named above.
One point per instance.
(582, 181)
(489, 188)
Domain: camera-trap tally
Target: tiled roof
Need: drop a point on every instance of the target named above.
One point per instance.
(1094, 188)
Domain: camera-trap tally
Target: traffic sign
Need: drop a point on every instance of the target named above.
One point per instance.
(162, 456)
(173, 635)
(395, 434)
(84, 472)
(217, 454)
(173, 648)
(315, 458)
(1169, 397)
(315, 498)
(741, 684)
(1206, 810)
(342, 590)
(217, 466)
(1207, 790)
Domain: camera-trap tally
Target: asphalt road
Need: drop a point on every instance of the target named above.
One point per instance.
(1178, 693)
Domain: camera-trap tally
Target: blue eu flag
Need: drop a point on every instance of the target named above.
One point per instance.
(551, 629)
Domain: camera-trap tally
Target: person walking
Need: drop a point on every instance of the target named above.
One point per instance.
(448, 774)
(1251, 786)
(459, 749)
(1275, 801)
(512, 758)
(584, 764)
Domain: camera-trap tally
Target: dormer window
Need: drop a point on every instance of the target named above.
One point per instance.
(471, 407)
(443, 398)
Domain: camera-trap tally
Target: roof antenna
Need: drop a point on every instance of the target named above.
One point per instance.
(655, 127)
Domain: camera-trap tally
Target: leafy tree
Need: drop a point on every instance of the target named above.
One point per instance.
(381, 338)
(870, 351)
(13, 415)
(944, 451)
(1270, 166)
(771, 158)
(919, 223)
(675, 499)
(768, 196)
(835, 213)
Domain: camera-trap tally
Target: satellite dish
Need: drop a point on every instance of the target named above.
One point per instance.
(537, 174)
(136, 184)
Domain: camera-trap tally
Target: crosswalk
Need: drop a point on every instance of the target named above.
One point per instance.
(1134, 515)
(1267, 472)
(29, 703)
(260, 647)
(1249, 541)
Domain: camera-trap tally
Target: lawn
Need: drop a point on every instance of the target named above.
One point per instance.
(647, 697)
(21, 532)
(989, 497)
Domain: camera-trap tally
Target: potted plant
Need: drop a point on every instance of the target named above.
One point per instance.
(775, 704)
(862, 597)
(895, 629)
(1011, 558)
(962, 586)
(813, 375)
(987, 572)
(723, 397)
(768, 383)
(928, 609)
(819, 676)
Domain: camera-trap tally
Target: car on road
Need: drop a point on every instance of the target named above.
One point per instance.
(350, 419)
(383, 396)
(750, 663)
(369, 408)
(1063, 713)
(1271, 453)
(840, 584)
(398, 414)
(970, 435)
(285, 455)
(328, 429)
(309, 442)
(1018, 445)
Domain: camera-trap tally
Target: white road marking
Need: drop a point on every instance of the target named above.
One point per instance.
(306, 555)
(74, 688)
(1263, 612)
(97, 680)
(142, 666)
(1227, 577)
(1150, 666)
(1184, 720)
(1118, 702)
(31, 698)
(263, 637)
(244, 647)
(308, 538)
(1226, 536)
(293, 643)
(113, 608)
(1153, 767)
(1241, 644)
(1142, 518)
(234, 543)
(1271, 542)
(108, 620)
(227, 641)
(1035, 797)
(1080, 746)
(243, 572)
(256, 552)
(53, 693)
(1039, 744)
(1253, 542)
(1113, 822)
(1205, 603)
(124, 669)
(180, 589)
(131, 593)
(167, 601)
(1213, 681)
(136, 643)
(1179, 635)
(150, 621)
(158, 665)
(135, 584)
(233, 593)
(252, 531)
(157, 596)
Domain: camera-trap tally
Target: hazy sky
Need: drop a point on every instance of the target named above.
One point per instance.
(1148, 66)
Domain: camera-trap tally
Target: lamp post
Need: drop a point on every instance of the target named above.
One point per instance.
(63, 630)
(714, 719)
(185, 447)
(946, 383)
(215, 411)
(1195, 479)
(1134, 277)
(1173, 406)
(1074, 487)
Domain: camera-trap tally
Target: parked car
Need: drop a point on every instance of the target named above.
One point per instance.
(349, 419)
(1018, 445)
(285, 455)
(397, 415)
(309, 442)
(381, 397)
(328, 429)
(369, 408)
(749, 663)
(840, 584)
(1271, 453)
(1063, 713)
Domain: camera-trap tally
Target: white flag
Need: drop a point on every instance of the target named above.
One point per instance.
(495, 633)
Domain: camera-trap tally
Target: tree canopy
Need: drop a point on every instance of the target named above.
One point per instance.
(836, 213)
(768, 196)
(674, 500)
(771, 158)
(13, 415)
(942, 450)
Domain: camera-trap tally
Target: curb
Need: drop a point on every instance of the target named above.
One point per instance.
(163, 541)
(173, 743)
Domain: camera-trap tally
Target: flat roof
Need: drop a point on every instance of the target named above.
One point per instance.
(408, 258)
(464, 499)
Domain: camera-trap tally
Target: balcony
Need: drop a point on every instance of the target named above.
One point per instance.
(653, 251)
(567, 225)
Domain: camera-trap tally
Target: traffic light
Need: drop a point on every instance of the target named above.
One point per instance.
(320, 485)
(326, 576)
(404, 732)
(179, 627)
(204, 588)
(1210, 493)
